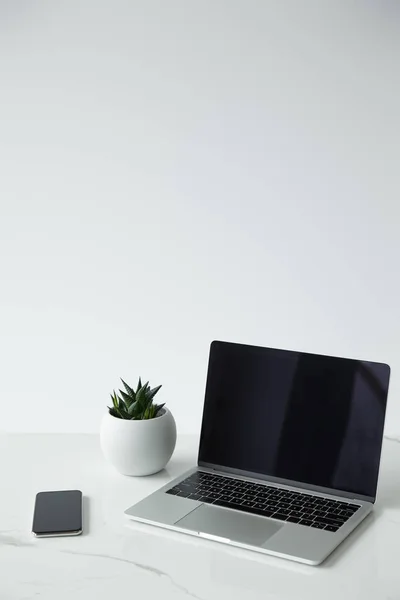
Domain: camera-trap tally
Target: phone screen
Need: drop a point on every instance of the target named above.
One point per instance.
(58, 513)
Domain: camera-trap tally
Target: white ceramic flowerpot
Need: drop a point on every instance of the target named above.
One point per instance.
(138, 447)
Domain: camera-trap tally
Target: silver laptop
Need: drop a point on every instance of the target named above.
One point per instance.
(289, 453)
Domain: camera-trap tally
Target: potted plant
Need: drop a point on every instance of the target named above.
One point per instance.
(137, 436)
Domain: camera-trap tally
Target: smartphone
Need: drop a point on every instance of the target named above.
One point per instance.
(58, 513)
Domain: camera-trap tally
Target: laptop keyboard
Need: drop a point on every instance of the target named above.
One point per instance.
(267, 501)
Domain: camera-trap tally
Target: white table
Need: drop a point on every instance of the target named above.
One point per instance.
(118, 559)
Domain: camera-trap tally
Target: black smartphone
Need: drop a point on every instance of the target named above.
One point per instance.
(58, 513)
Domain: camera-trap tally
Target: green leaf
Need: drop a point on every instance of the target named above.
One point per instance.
(118, 402)
(141, 396)
(149, 412)
(139, 385)
(158, 407)
(153, 392)
(133, 408)
(147, 402)
(114, 412)
(128, 399)
(124, 414)
(114, 399)
(123, 406)
(128, 389)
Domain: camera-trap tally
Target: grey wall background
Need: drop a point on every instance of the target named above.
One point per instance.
(175, 172)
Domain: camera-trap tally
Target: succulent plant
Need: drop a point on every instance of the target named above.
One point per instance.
(135, 405)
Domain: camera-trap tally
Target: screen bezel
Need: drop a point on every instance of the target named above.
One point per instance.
(58, 532)
(269, 478)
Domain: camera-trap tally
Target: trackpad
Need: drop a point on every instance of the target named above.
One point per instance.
(230, 524)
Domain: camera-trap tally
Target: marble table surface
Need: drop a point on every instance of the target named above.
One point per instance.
(116, 558)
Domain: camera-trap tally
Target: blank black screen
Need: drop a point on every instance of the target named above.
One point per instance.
(291, 415)
(58, 512)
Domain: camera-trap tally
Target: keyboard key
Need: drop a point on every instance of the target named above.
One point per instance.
(173, 491)
(317, 525)
(259, 505)
(327, 521)
(206, 499)
(185, 485)
(240, 507)
(235, 500)
(262, 495)
(319, 513)
(236, 495)
(292, 519)
(225, 497)
(307, 522)
(194, 497)
(295, 513)
(247, 503)
(183, 495)
(280, 516)
(213, 495)
(331, 528)
(248, 497)
(336, 517)
(272, 508)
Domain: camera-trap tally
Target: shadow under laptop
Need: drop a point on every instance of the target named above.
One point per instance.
(222, 550)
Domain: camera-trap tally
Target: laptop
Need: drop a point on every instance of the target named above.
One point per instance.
(289, 453)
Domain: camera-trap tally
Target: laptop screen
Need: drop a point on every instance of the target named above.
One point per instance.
(312, 419)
